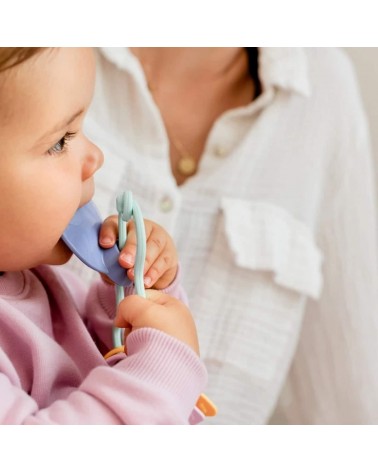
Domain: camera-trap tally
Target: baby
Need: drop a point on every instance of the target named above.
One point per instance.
(53, 334)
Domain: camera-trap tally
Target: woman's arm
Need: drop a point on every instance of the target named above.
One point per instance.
(334, 376)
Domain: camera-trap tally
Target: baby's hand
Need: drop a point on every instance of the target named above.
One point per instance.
(159, 311)
(160, 267)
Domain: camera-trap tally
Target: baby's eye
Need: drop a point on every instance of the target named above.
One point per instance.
(61, 145)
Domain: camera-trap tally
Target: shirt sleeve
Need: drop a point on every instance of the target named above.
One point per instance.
(334, 376)
(158, 382)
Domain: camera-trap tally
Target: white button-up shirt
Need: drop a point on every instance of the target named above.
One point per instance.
(276, 233)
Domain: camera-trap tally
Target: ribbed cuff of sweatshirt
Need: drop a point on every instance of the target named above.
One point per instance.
(158, 382)
(161, 360)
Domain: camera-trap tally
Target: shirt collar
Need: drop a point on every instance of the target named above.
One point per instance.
(284, 68)
(123, 58)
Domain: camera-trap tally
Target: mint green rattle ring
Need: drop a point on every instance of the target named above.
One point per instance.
(129, 209)
(81, 236)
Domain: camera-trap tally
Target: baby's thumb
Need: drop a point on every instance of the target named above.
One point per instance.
(157, 296)
(129, 309)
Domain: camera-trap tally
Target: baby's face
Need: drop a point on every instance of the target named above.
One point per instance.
(46, 163)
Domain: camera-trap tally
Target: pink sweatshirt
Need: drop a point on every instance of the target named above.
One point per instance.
(52, 371)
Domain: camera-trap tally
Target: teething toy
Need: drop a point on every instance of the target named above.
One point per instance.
(128, 208)
(81, 236)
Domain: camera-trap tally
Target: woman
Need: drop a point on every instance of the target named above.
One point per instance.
(258, 163)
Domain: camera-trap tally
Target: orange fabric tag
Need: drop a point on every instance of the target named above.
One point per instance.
(206, 405)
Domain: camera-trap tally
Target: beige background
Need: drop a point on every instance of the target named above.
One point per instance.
(365, 61)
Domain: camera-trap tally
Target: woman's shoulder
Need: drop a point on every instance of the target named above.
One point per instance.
(332, 72)
(329, 57)
(329, 63)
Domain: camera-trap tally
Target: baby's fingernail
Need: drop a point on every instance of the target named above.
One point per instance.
(128, 258)
(147, 281)
(106, 240)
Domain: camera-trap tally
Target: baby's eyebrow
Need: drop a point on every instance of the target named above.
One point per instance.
(62, 125)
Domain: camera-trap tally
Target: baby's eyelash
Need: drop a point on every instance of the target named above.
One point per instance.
(61, 145)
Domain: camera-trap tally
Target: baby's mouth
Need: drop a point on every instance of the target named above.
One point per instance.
(81, 237)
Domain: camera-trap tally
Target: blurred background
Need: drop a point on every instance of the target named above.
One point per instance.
(365, 62)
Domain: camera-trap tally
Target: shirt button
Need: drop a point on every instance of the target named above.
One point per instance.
(220, 151)
(166, 204)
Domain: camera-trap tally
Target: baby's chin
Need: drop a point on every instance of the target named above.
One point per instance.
(58, 255)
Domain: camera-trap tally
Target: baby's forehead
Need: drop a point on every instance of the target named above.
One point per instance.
(11, 68)
(10, 103)
(6, 108)
(41, 93)
(10, 57)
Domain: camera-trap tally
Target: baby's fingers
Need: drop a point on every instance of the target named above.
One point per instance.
(155, 243)
(159, 311)
(108, 236)
(108, 232)
(135, 311)
(156, 247)
(161, 273)
(128, 252)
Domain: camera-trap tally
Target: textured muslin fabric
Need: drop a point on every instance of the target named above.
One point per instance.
(276, 232)
(52, 371)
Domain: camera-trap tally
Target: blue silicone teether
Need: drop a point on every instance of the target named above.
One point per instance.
(81, 236)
